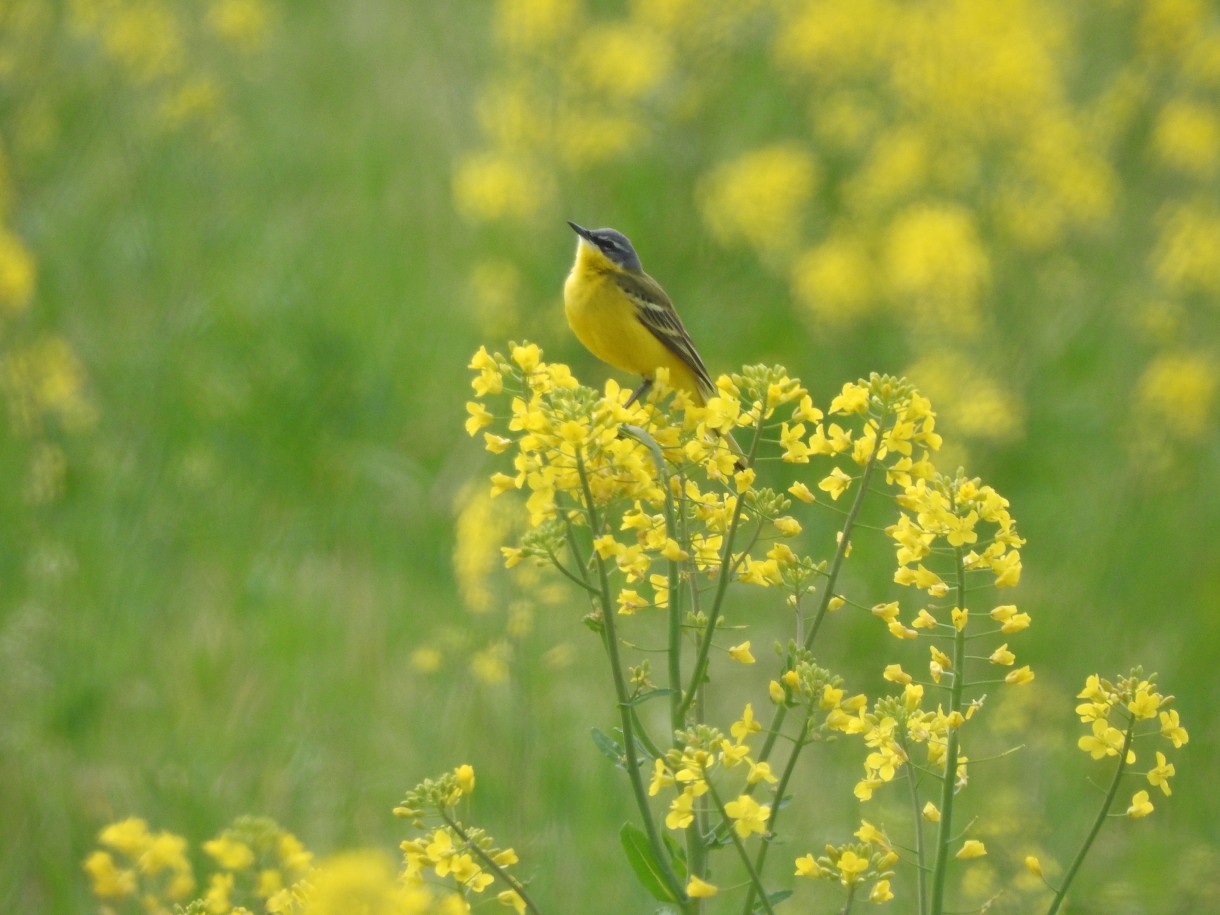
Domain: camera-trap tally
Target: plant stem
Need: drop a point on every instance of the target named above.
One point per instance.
(490, 863)
(849, 523)
(917, 818)
(610, 640)
(1097, 822)
(755, 880)
(948, 786)
(713, 615)
(760, 860)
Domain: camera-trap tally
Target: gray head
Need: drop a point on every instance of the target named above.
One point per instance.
(613, 244)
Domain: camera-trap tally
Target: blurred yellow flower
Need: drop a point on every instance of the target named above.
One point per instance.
(936, 266)
(17, 274)
(1187, 253)
(1177, 392)
(1187, 137)
(760, 198)
(145, 39)
(589, 137)
(834, 280)
(491, 185)
(967, 397)
(241, 23)
(534, 25)
(620, 62)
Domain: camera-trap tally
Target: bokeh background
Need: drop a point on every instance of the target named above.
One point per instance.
(247, 248)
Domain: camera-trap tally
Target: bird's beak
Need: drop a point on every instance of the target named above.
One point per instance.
(584, 233)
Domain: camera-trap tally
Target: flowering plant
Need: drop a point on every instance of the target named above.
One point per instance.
(651, 514)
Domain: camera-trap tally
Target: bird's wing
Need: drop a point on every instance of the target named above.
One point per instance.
(657, 313)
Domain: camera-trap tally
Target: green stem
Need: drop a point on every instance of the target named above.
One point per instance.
(944, 835)
(626, 716)
(849, 523)
(781, 786)
(490, 863)
(917, 817)
(713, 615)
(755, 880)
(832, 577)
(1097, 823)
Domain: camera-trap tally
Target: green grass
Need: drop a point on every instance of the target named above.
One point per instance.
(217, 616)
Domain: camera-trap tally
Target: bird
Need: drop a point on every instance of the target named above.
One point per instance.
(625, 319)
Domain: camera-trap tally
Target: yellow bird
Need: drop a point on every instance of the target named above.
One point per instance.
(624, 318)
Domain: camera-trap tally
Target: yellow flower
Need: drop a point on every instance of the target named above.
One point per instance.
(700, 889)
(512, 899)
(479, 417)
(936, 265)
(787, 526)
(836, 483)
(807, 866)
(492, 185)
(802, 492)
(681, 811)
(971, 848)
(895, 674)
(17, 273)
(230, 853)
(931, 813)
(1186, 137)
(621, 62)
(109, 881)
(465, 778)
(851, 866)
(834, 281)
(742, 653)
(1172, 730)
(1140, 805)
(748, 815)
(880, 892)
(1159, 776)
(130, 836)
(1020, 676)
(1002, 656)
(760, 197)
(760, 772)
(1104, 741)
(630, 601)
(1177, 392)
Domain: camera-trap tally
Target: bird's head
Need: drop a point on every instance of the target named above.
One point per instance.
(611, 244)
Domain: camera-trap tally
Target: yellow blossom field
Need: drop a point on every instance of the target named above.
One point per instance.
(315, 507)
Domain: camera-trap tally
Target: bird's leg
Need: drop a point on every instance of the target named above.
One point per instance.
(639, 392)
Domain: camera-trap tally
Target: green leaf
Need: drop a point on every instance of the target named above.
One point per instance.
(611, 748)
(651, 694)
(647, 869)
(677, 854)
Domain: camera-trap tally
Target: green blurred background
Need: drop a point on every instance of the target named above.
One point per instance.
(249, 248)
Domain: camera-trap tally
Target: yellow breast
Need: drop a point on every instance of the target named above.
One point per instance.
(604, 320)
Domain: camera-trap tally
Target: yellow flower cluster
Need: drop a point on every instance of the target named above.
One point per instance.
(577, 454)
(467, 856)
(872, 859)
(158, 49)
(693, 769)
(1115, 712)
(137, 864)
(258, 864)
(258, 867)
